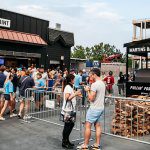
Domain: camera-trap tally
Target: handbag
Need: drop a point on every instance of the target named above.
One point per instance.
(68, 116)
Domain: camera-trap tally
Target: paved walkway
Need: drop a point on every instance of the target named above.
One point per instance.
(17, 135)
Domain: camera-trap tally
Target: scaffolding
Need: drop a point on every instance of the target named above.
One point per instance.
(144, 25)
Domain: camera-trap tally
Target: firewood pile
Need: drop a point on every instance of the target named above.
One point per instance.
(131, 118)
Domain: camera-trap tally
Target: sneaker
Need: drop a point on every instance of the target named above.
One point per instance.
(82, 147)
(27, 117)
(96, 147)
(13, 115)
(2, 118)
(19, 116)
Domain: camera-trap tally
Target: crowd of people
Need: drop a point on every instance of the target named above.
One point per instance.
(13, 80)
(82, 84)
(17, 80)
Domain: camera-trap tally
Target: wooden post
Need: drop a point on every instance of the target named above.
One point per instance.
(145, 28)
(146, 58)
(127, 64)
(141, 31)
(134, 32)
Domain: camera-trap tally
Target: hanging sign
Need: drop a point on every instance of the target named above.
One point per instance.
(4, 23)
(142, 49)
(96, 63)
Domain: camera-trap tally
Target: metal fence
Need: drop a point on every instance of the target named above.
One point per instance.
(123, 117)
(128, 118)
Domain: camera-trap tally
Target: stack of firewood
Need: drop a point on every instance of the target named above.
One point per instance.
(131, 118)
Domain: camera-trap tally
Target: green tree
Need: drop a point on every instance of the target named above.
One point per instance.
(88, 53)
(78, 52)
(96, 52)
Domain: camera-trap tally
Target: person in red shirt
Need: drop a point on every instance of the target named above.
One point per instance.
(109, 83)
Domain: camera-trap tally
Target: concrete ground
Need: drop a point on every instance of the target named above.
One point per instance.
(18, 135)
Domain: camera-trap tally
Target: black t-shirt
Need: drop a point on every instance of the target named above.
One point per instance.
(15, 80)
(25, 83)
(121, 79)
(2, 79)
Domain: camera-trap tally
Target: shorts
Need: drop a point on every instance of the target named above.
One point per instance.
(110, 91)
(94, 115)
(7, 97)
(21, 97)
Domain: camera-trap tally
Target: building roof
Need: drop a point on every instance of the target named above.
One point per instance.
(21, 37)
(140, 43)
(66, 38)
(144, 22)
(10, 11)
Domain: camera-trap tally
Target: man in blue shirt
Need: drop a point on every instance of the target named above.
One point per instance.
(39, 83)
(39, 93)
(78, 80)
(84, 76)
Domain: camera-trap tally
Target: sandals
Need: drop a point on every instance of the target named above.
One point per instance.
(96, 147)
(92, 147)
(82, 147)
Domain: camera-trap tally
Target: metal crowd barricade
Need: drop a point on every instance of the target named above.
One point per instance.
(49, 110)
(42, 103)
(127, 118)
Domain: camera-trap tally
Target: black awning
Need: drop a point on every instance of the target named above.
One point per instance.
(140, 43)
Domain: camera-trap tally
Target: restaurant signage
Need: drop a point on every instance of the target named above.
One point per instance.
(141, 49)
(137, 88)
(4, 23)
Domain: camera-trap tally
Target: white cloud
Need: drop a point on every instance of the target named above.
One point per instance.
(53, 16)
(94, 7)
(109, 16)
(102, 10)
(34, 10)
(91, 26)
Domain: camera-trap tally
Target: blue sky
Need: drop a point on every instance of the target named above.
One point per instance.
(91, 21)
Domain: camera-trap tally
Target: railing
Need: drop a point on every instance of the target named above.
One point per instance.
(128, 117)
(123, 117)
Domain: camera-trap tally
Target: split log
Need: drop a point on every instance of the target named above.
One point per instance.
(135, 113)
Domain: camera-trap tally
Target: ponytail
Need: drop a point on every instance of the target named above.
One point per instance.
(67, 80)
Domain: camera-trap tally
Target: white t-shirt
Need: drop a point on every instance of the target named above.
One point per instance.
(99, 88)
(68, 107)
(6, 73)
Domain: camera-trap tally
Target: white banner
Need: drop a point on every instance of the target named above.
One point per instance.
(50, 104)
(4, 23)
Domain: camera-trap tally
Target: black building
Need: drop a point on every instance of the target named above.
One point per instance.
(26, 40)
(140, 83)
